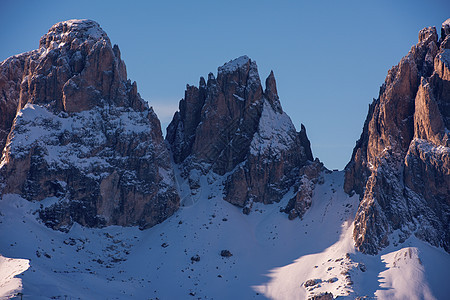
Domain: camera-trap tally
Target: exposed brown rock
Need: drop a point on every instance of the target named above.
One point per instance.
(400, 164)
(11, 74)
(83, 134)
(230, 126)
(311, 282)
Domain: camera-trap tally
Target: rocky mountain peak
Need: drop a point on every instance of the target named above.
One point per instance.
(239, 78)
(75, 69)
(271, 86)
(202, 82)
(78, 132)
(271, 93)
(242, 62)
(211, 78)
(72, 33)
(230, 127)
(400, 164)
(428, 34)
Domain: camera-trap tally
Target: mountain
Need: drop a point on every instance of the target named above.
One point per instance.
(180, 258)
(401, 164)
(76, 133)
(234, 129)
(84, 154)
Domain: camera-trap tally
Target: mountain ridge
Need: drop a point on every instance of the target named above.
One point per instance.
(82, 134)
(400, 166)
(231, 126)
(83, 153)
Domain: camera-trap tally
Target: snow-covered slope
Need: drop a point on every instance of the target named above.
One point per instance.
(404, 277)
(9, 268)
(272, 257)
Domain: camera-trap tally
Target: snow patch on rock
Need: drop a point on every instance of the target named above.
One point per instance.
(275, 134)
(234, 64)
(66, 31)
(35, 125)
(445, 57)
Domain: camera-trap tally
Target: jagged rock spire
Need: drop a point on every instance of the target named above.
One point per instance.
(236, 128)
(271, 93)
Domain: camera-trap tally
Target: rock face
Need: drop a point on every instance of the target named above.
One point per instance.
(230, 126)
(75, 132)
(401, 165)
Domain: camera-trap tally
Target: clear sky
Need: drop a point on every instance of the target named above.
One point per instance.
(329, 57)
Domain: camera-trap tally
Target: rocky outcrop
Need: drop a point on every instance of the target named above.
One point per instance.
(79, 135)
(11, 74)
(322, 296)
(309, 176)
(400, 165)
(232, 127)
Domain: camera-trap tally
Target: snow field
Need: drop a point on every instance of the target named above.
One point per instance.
(272, 257)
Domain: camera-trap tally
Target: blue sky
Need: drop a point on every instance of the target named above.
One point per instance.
(329, 57)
